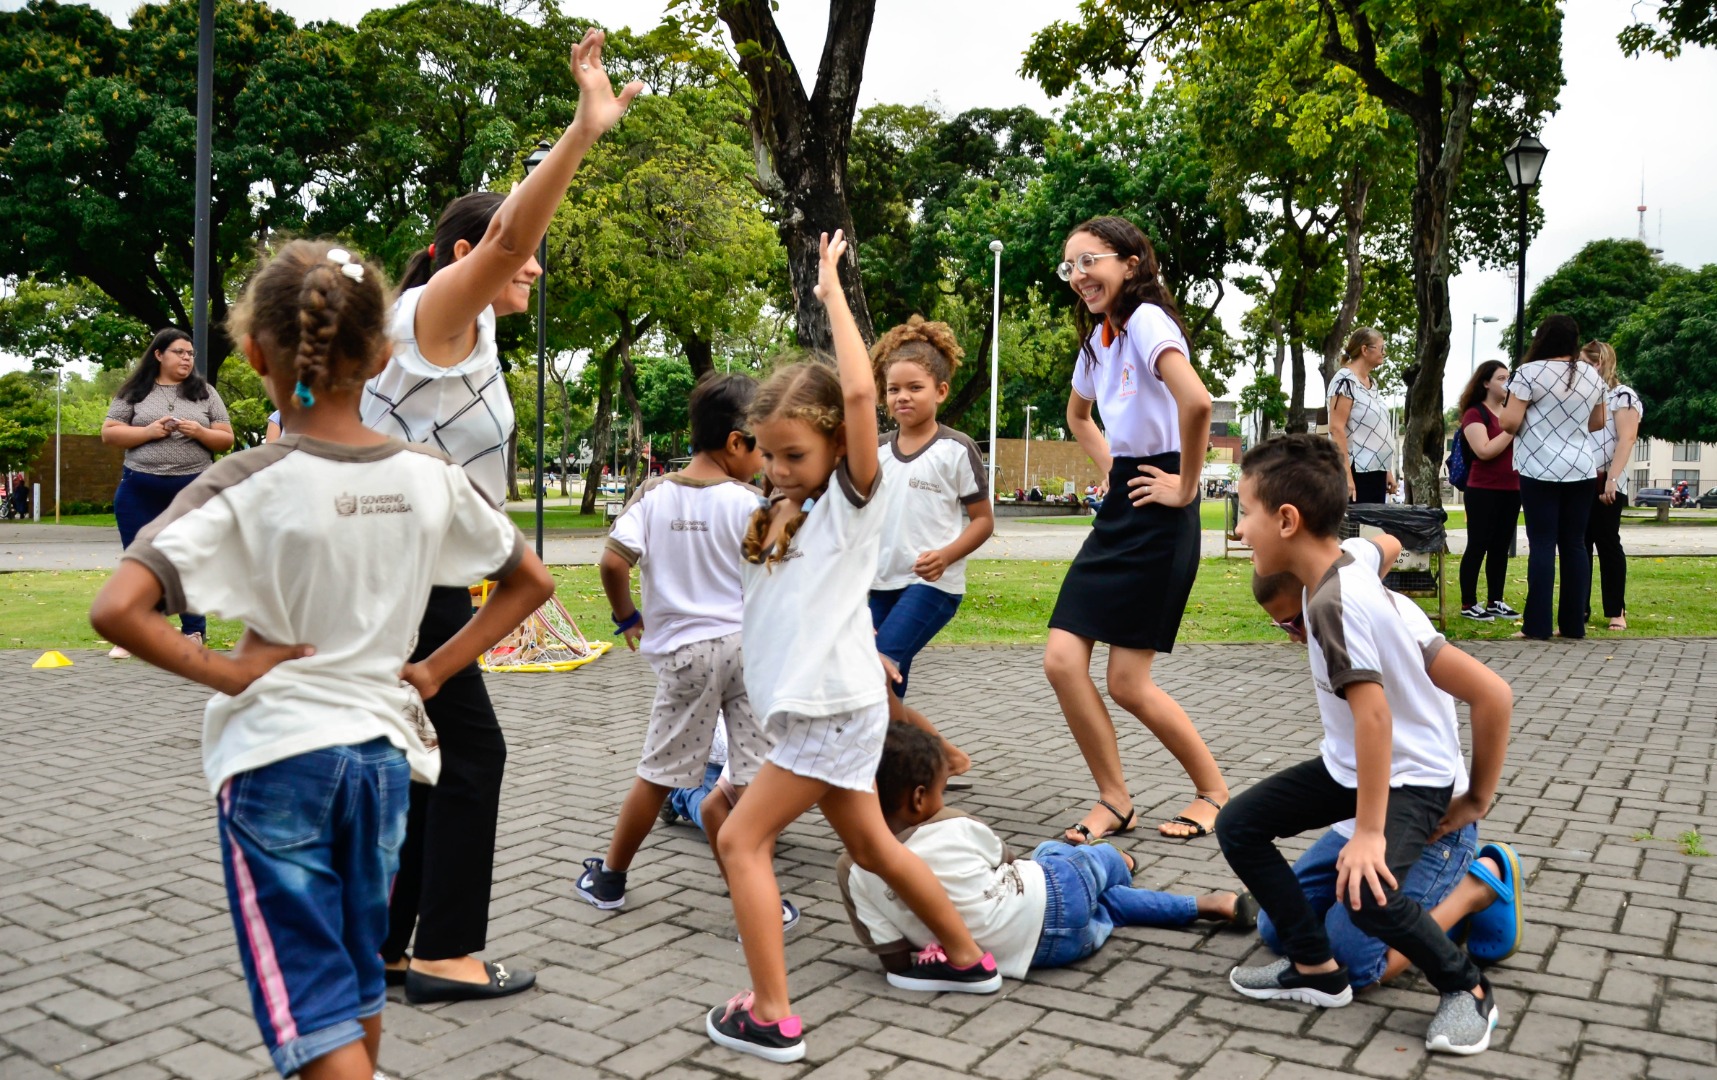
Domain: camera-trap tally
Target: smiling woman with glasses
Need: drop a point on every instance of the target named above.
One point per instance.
(171, 423)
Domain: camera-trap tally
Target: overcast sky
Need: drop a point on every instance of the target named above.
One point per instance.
(1618, 117)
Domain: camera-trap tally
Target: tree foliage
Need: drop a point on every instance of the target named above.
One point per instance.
(1679, 23)
(1667, 348)
(1600, 287)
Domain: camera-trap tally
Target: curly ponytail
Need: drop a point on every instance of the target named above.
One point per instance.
(321, 308)
(930, 345)
(809, 391)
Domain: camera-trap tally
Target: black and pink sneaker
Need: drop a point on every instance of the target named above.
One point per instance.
(932, 972)
(733, 1026)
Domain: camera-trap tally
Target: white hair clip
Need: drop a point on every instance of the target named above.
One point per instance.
(341, 256)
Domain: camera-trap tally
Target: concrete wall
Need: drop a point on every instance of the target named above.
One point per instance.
(90, 470)
(1048, 458)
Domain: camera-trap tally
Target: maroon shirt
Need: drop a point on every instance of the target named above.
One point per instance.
(1498, 473)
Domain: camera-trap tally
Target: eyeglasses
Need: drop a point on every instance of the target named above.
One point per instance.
(1294, 627)
(1084, 263)
(192, 353)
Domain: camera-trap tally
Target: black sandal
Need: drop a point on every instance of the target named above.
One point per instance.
(1129, 821)
(1181, 819)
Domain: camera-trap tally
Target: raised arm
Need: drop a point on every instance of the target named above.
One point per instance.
(1513, 414)
(455, 296)
(1484, 447)
(858, 380)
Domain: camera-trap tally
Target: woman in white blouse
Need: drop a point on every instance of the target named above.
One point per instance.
(1555, 404)
(1622, 414)
(1359, 422)
(443, 387)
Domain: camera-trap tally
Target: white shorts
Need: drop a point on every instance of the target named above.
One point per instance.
(843, 749)
(697, 686)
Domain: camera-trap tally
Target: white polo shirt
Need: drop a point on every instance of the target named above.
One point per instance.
(923, 505)
(1139, 415)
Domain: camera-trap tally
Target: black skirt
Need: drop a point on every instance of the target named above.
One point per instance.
(1129, 584)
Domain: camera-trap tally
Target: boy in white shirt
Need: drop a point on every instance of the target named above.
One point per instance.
(1047, 911)
(684, 533)
(1390, 758)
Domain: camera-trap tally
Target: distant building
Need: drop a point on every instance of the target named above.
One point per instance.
(1663, 464)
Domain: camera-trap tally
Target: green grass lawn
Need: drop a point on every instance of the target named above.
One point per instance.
(1212, 517)
(1007, 602)
(558, 518)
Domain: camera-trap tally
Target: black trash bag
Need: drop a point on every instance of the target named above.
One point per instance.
(1419, 528)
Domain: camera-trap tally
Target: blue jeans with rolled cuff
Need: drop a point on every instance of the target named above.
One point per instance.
(1090, 892)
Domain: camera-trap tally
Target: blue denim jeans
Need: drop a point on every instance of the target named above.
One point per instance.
(1439, 869)
(688, 801)
(310, 845)
(1090, 893)
(905, 621)
(141, 498)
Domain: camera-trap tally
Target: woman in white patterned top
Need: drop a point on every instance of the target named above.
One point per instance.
(1359, 420)
(1555, 403)
(443, 386)
(1622, 414)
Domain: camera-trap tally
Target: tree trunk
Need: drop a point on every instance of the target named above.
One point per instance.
(800, 144)
(635, 415)
(601, 429)
(699, 350)
(1354, 194)
(513, 464)
(976, 389)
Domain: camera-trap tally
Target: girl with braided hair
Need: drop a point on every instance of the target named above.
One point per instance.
(935, 507)
(814, 679)
(443, 386)
(331, 536)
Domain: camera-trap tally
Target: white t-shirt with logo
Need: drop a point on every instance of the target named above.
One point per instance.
(1619, 397)
(810, 649)
(1356, 633)
(1553, 443)
(1000, 899)
(923, 505)
(685, 537)
(463, 411)
(1139, 414)
(1430, 641)
(330, 545)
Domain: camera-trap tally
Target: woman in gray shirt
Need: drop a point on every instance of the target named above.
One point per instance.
(171, 424)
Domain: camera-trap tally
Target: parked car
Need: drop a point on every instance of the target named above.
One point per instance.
(1708, 500)
(1654, 497)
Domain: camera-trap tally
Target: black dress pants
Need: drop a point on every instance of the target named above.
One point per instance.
(448, 862)
(1491, 520)
(1556, 516)
(1604, 536)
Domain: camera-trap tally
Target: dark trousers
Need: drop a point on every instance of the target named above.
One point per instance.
(141, 498)
(1491, 518)
(1604, 536)
(1371, 487)
(1304, 797)
(1556, 516)
(448, 861)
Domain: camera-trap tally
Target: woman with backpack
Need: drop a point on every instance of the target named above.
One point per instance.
(1492, 492)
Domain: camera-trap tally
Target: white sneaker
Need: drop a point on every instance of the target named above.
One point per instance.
(118, 653)
(196, 637)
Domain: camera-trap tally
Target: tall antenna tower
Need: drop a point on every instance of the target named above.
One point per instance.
(1641, 208)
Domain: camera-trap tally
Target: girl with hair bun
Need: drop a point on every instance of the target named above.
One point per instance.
(443, 386)
(1129, 584)
(936, 511)
(331, 535)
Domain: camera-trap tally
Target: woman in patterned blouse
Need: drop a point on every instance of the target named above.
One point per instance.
(1359, 420)
(1623, 413)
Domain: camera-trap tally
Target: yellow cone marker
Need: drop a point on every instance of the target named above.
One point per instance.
(53, 658)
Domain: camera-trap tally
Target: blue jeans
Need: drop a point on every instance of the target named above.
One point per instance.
(688, 801)
(905, 621)
(141, 498)
(1439, 869)
(310, 845)
(1090, 893)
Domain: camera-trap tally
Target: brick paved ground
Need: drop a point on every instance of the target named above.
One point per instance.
(116, 957)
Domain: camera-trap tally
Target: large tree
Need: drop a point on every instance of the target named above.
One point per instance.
(800, 140)
(1446, 68)
(1667, 349)
(1600, 287)
(1678, 23)
(97, 145)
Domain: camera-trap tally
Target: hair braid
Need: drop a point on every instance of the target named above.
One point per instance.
(808, 391)
(320, 301)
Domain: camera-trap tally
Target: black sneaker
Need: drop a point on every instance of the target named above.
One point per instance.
(1500, 609)
(1281, 981)
(932, 972)
(733, 1026)
(601, 887)
(1478, 613)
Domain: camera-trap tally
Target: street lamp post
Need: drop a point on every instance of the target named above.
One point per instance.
(537, 157)
(1524, 160)
(614, 438)
(1028, 412)
(995, 363)
(1473, 365)
(59, 386)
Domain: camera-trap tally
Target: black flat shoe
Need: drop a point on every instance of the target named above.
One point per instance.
(421, 989)
(395, 976)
